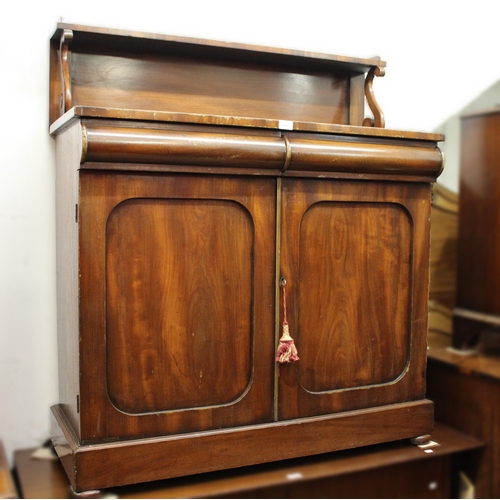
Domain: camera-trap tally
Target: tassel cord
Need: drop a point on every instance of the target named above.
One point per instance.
(285, 322)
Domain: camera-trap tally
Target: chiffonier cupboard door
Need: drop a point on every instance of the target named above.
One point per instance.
(351, 252)
(177, 324)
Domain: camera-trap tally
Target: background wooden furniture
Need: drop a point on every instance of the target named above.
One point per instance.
(466, 393)
(443, 265)
(478, 285)
(464, 387)
(393, 470)
(176, 226)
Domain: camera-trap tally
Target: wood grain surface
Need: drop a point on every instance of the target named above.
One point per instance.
(355, 256)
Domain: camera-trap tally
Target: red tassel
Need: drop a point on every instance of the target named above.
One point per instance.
(287, 352)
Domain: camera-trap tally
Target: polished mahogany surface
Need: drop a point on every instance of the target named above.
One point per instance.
(120, 69)
(184, 303)
(354, 255)
(183, 203)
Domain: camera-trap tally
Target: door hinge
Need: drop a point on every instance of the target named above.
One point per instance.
(76, 212)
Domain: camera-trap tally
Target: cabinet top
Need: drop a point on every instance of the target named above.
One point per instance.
(131, 75)
(127, 116)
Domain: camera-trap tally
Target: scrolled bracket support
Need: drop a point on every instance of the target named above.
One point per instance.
(378, 119)
(65, 101)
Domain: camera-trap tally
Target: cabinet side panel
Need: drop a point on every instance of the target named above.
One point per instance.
(68, 150)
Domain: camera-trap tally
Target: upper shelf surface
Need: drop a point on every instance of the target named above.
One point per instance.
(94, 35)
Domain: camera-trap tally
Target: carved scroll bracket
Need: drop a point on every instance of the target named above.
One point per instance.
(65, 101)
(378, 119)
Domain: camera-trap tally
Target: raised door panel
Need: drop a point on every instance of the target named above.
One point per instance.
(177, 311)
(178, 304)
(355, 279)
(353, 257)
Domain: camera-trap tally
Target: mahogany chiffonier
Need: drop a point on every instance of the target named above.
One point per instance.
(243, 257)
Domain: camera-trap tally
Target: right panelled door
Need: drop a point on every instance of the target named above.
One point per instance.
(355, 257)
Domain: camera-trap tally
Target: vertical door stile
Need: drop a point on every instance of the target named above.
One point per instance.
(277, 294)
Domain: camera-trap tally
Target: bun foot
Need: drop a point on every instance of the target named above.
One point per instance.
(85, 494)
(421, 440)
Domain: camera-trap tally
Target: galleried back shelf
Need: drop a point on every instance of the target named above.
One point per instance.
(210, 195)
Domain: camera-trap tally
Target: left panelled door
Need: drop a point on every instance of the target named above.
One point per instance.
(176, 303)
